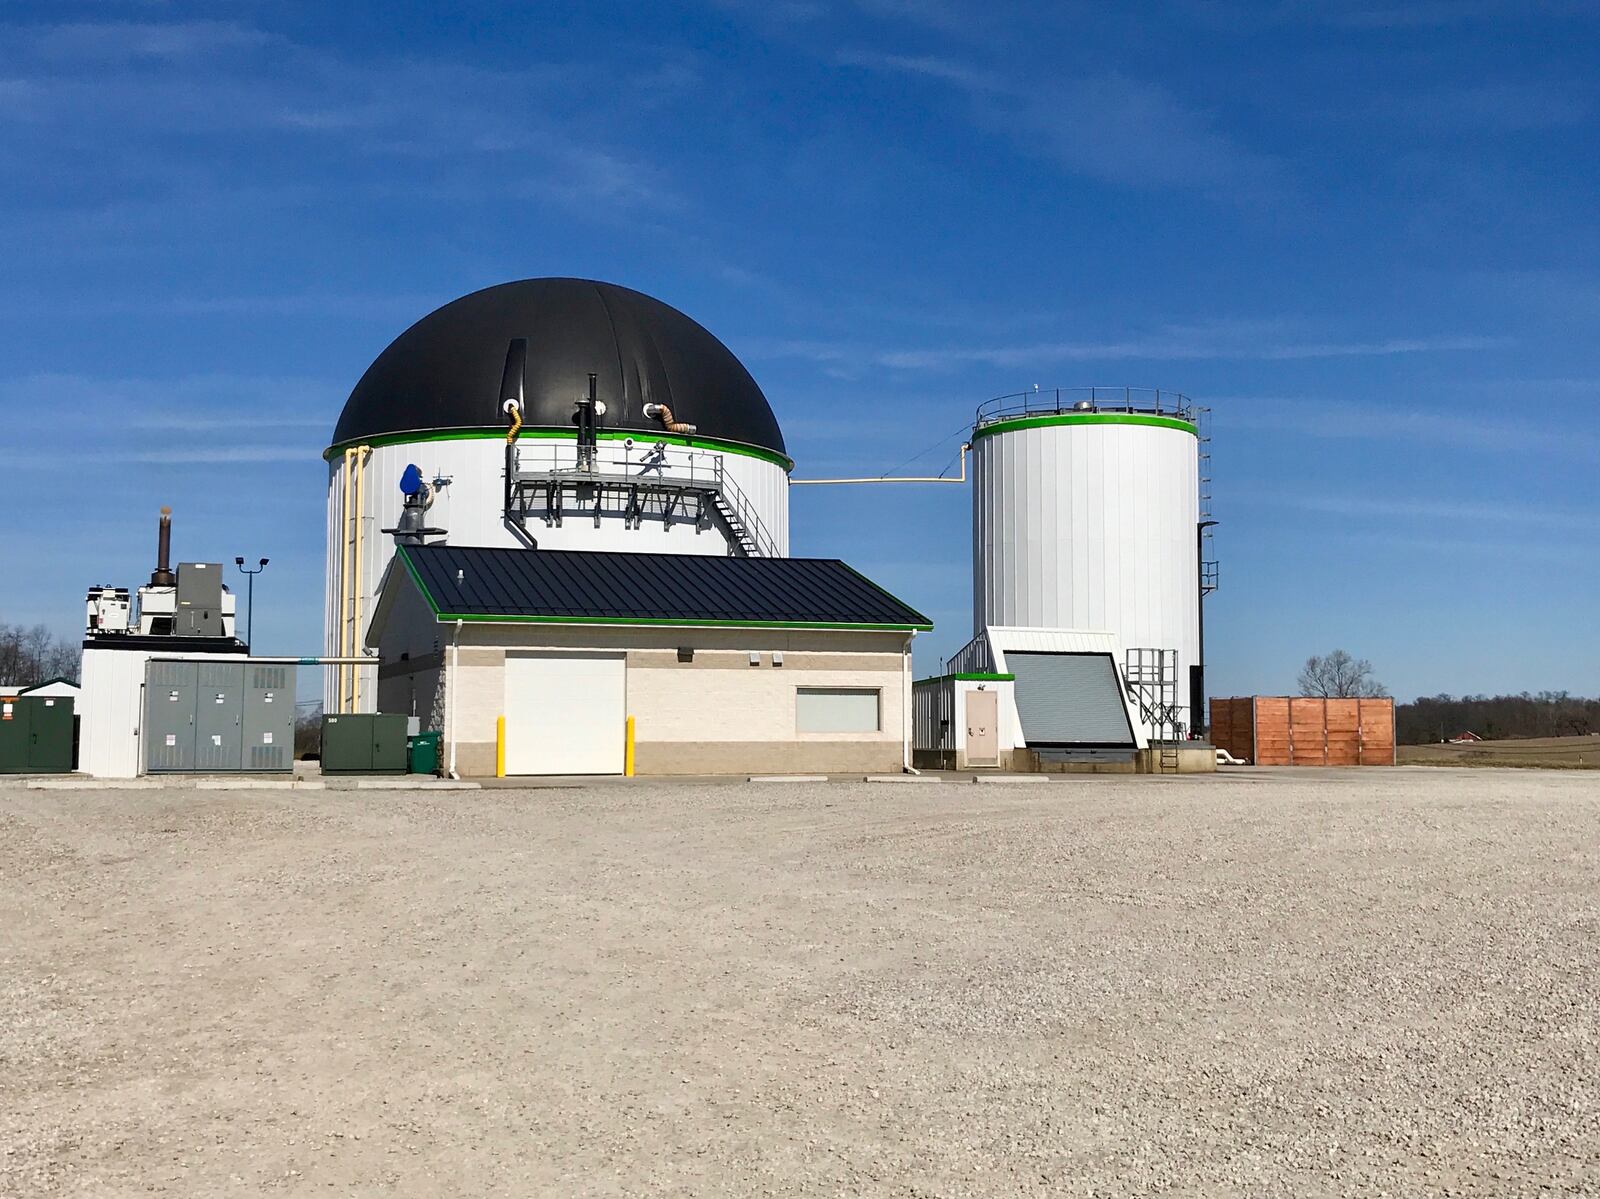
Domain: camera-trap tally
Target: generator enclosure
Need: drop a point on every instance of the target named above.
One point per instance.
(364, 743)
(35, 734)
(218, 717)
(1267, 730)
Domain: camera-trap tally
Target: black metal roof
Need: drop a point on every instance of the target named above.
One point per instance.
(445, 371)
(590, 586)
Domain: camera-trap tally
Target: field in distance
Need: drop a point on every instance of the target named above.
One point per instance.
(1561, 753)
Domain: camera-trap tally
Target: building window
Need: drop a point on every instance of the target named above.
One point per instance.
(837, 710)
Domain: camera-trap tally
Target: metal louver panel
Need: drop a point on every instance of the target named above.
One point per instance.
(1070, 699)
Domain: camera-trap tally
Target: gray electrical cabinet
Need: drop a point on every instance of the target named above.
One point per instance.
(218, 717)
(269, 718)
(169, 716)
(199, 600)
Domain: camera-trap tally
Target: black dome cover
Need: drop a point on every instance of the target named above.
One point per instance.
(444, 372)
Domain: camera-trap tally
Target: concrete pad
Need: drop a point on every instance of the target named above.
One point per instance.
(788, 778)
(902, 778)
(403, 783)
(74, 783)
(1010, 778)
(246, 784)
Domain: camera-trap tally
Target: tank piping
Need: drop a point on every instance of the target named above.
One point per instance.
(664, 414)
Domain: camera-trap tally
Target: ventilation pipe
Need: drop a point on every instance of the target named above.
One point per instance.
(664, 414)
(162, 575)
(513, 380)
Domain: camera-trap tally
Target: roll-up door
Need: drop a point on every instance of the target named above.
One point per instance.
(565, 713)
(1069, 699)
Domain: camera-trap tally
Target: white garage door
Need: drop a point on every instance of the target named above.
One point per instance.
(565, 713)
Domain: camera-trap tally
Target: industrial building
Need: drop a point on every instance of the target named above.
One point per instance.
(558, 537)
(611, 487)
(571, 661)
(168, 687)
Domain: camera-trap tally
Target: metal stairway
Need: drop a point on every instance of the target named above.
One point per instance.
(1152, 676)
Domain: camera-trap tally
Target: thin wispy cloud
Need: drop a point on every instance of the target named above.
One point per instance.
(1103, 124)
(1223, 342)
(539, 130)
(1343, 421)
(1461, 513)
(120, 41)
(928, 65)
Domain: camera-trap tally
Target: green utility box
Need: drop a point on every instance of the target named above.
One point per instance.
(35, 734)
(363, 743)
(424, 749)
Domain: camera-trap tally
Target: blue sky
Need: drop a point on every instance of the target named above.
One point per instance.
(1364, 233)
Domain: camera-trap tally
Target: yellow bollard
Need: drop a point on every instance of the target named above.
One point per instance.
(627, 750)
(500, 747)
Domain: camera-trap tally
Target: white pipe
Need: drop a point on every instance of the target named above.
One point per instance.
(907, 716)
(961, 478)
(450, 697)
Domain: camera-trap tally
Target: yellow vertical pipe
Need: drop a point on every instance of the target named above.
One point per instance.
(355, 630)
(627, 749)
(500, 747)
(344, 583)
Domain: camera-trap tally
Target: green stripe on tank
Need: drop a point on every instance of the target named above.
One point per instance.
(1085, 418)
(480, 434)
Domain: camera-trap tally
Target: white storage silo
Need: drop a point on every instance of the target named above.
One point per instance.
(1085, 513)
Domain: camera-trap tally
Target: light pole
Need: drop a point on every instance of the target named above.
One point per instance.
(250, 599)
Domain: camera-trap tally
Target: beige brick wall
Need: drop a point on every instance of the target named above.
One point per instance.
(743, 703)
(768, 757)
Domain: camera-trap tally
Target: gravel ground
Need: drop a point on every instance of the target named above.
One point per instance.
(1377, 982)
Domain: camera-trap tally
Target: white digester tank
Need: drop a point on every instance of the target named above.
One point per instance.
(1085, 518)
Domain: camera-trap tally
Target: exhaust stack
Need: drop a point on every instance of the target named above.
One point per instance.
(162, 575)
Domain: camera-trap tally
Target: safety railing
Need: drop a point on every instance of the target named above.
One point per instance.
(1151, 401)
(652, 466)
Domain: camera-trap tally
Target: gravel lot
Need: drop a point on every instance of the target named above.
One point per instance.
(1266, 983)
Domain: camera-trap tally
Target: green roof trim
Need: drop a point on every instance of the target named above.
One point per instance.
(970, 676)
(1085, 418)
(482, 434)
(650, 621)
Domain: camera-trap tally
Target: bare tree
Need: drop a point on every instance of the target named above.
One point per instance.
(1339, 676)
(29, 656)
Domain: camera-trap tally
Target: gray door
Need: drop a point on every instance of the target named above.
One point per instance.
(218, 716)
(983, 739)
(1067, 699)
(269, 718)
(169, 689)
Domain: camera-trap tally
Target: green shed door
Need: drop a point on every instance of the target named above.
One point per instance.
(49, 733)
(14, 735)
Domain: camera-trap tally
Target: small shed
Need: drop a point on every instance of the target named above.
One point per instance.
(537, 662)
(1272, 730)
(56, 688)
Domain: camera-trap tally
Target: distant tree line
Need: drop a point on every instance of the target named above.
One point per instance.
(1496, 717)
(29, 656)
